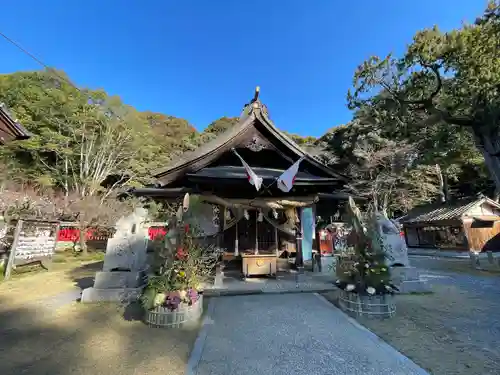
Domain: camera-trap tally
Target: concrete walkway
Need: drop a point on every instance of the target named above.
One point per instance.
(289, 334)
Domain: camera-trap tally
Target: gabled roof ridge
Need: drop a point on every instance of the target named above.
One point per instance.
(209, 147)
(485, 199)
(254, 111)
(263, 116)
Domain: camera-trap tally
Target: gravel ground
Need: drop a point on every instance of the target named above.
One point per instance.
(456, 329)
(292, 334)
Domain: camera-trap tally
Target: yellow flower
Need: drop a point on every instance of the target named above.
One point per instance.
(182, 274)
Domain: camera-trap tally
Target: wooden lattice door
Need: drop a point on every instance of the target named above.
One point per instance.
(247, 231)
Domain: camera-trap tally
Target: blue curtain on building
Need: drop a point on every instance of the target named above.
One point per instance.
(307, 221)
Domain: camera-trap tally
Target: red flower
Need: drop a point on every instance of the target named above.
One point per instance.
(186, 228)
(180, 254)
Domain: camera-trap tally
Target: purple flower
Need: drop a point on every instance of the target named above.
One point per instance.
(172, 301)
(193, 295)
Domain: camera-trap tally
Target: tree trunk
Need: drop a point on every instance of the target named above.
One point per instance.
(489, 145)
(441, 183)
(83, 240)
(446, 188)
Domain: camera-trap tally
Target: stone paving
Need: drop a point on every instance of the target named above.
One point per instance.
(289, 334)
(231, 283)
(284, 283)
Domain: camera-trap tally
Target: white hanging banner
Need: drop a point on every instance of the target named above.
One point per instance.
(252, 176)
(287, 179)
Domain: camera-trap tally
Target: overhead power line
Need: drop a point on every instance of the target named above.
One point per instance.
(41, 63)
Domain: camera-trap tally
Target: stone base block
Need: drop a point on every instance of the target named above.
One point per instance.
(414, 286)
(119, 279)
(400, 274)
(407, 279)
(93, 295)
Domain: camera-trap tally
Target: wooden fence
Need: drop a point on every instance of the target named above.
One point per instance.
(70, 233)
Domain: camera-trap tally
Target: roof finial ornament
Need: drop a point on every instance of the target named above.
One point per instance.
(252, 104)
(256, 96)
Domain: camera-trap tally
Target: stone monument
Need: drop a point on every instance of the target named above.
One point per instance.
(405, 277)
(124, 271)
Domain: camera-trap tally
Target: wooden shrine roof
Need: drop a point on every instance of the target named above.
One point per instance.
(10, 130)
(254, 126)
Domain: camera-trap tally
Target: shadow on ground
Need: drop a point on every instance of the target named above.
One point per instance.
(88, 339)
(84, 275)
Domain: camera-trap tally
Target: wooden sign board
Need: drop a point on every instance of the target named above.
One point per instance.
(34, 242)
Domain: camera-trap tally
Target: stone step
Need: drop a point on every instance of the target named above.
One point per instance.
(93, 295)
(118, 279)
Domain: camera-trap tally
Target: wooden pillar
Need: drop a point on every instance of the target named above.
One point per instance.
(256, 232)
(299, 259)
(236, 243)
(276, 242)
(317, 255)
(220, 232)
(417, 230)
(13, 249)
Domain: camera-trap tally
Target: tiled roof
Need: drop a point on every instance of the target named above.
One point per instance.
(254, 112)
(453, 210)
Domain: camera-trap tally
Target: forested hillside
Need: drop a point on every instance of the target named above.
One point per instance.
(75, 130)
(416, 135)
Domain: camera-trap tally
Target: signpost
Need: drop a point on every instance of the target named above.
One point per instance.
(34, 242)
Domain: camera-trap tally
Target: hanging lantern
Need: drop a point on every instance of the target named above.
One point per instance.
(179, 214)
(260, 218)
(185, 203)
(275, 213)
(246, 215)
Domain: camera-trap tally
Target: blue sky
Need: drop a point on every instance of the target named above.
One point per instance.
(201, 59)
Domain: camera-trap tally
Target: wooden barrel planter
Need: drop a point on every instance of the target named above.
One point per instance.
(163, 317)
(377, 306)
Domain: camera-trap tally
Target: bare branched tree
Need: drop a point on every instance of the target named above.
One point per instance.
(386, 178)
(103, 151)
(94, 212)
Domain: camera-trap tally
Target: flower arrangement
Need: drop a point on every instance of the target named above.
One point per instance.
(368, 274)
(180, 272)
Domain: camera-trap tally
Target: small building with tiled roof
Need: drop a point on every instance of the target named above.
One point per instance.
(471, 224)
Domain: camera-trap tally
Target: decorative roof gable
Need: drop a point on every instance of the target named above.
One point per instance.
(255, 131)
